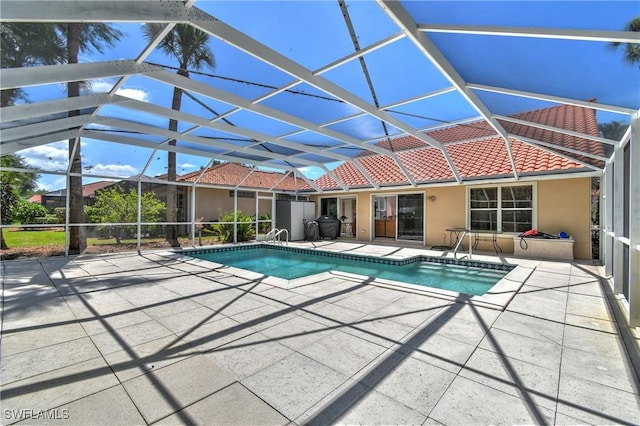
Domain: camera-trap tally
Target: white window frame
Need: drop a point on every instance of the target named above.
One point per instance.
(499, 209)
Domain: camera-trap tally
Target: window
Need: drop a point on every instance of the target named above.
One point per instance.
(329, 207)
(501, 208)
(292, 197)
(243, 194)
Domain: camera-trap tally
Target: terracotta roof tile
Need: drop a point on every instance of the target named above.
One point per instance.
(351, 176)
(91, 188)
(473, 159)
(426, 165)
(401, 143)
(233, 174)
(383, 169)
(568, 117)
(327, 182)
(463, 132)
(477, 151)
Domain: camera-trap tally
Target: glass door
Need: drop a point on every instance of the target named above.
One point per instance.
(329, 207)
(384, 216)
(347, 213)
(411, 217)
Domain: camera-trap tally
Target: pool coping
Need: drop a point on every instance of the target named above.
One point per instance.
(497, 297)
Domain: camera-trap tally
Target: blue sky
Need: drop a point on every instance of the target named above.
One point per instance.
(314, 34)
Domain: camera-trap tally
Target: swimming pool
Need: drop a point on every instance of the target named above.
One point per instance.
(474, 278)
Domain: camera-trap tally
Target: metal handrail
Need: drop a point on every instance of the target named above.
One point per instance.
(465, 232)
(274, 235)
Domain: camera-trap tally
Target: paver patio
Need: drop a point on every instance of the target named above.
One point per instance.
(151, 339)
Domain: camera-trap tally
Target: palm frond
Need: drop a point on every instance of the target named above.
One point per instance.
(188, 45)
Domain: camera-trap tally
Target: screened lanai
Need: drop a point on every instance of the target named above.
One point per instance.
(302, 88)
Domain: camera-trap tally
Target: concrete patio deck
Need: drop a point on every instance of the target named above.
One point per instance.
(151, 339)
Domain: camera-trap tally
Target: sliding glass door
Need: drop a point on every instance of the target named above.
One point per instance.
(411, 217)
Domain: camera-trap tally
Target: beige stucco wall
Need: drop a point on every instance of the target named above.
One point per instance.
(213, 203)
(561, 205)
(565, 205)
(447, 210)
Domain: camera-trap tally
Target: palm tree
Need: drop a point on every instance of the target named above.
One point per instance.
(22, 45)
(631, 50)
(81, 38)
(188, 46)
(27, 44)
(614, 130)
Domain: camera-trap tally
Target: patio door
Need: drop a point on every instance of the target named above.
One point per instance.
(347, 211)
(329, 207)
(344, 208)
(411, 217)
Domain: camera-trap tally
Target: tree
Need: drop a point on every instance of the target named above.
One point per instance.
(31, 44)
(23, 183)
(81, 38)
(631, 50)
(22, 45)
(113, 205)
(614, 130)
(8, 201)
(188, 46)
(12, 185)
(26, 212)
(28, 44)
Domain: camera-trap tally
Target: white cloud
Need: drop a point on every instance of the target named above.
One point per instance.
(47, 157)
(138, 94)
(102, 86)
(120, 170)
(50, 183)
(312, 172)
(188, 166)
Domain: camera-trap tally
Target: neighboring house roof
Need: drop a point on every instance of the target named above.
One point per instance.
(88, 190)
(478, 152)
(234, 175)
(37, 198)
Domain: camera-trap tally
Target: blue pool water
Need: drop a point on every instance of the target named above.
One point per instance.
(296, 263)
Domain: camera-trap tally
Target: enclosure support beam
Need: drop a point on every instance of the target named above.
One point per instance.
(618, 218)
(230, 35)
(552, 33)
(634, 222)
(405, 22)
(139, 217)
(557, 99)
(607, 233)
(92, 11)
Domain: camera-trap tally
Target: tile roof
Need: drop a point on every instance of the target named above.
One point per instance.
(234, 174)
(90, 189)
(463, 132)
(565, 117)
(477, 152)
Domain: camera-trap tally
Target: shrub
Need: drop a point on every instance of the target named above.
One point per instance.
(224, 231)
(115, 206)
(263, 225)
(26, 212)
(61, 214)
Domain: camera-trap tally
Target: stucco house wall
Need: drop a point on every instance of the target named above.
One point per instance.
(560, 205)
(565, 205)
(213, 203)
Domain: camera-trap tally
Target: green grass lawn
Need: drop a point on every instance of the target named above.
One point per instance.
(19, 238)
(16, 238)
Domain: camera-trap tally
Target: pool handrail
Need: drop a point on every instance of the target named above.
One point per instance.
(274, 235)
